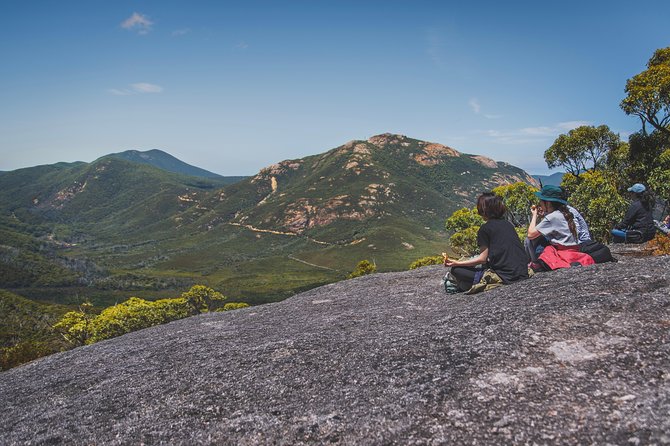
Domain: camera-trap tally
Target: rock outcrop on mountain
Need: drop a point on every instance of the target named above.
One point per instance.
(371, 179)
(576, 356)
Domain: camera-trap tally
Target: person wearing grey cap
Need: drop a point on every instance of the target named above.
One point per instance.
(637, 225)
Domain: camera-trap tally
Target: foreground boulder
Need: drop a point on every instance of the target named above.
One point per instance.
(567, 357)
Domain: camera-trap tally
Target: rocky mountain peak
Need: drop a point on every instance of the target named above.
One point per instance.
(386, 139)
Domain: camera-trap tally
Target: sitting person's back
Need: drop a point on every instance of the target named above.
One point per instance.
(638, 218)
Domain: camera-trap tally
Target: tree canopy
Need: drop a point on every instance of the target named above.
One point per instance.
(581, 149)
(648, 93)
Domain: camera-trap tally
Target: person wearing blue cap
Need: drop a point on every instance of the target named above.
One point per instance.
(637, 225)
(557, 230)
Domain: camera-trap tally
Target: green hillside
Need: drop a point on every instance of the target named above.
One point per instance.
(116, 226)
(25, 329)
(165, 161)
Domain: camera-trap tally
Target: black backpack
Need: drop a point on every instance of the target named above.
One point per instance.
(599, 252)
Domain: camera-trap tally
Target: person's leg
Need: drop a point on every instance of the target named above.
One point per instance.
(619, 236)
(464, 275)
(534, 247)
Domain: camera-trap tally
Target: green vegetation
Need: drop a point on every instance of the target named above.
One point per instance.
(83, 326)
(425, 261)
(25, 329)
(581, 149)
(363, 268)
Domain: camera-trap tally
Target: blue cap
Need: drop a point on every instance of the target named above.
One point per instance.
(637, 188)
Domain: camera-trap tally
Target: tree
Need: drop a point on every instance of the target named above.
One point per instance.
(659, 177)
(202, 298)
(645, 150)
(464, 223)
(463, 219)
(596, 196)
(648, 93)
(518, 198)
(583, 148)
(363, 268)
(75, 326)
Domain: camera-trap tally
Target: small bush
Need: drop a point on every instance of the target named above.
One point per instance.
(660, 245)
(233, 306)
(425, 261)
(363, 268)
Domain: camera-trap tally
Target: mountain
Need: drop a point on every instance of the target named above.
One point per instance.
(121, 226)
(575, 356)
(165, 161)
(554, 179)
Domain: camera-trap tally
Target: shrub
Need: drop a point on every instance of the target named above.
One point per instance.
(660, 245)
(82, 327)
(23, 352)
(363, 268)
(202, 298)
(425, 261)
(233, 306)
(595, 196)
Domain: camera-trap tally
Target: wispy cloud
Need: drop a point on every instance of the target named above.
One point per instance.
(118, 92)
(181, 32)
(137, 22)
(532, 135)
(242, 46)
(434, 48)
(569, 125)
(477, 109)
(138, 88)
(144, 87)
(474, 105)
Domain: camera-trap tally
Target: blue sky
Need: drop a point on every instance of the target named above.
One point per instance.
(235, 86)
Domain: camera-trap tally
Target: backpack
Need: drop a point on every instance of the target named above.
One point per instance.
(450, 286)
(599, 252)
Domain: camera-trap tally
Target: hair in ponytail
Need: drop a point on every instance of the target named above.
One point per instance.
(563, 209)
(568, 217)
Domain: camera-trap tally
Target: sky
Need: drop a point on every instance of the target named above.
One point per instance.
(234, 86)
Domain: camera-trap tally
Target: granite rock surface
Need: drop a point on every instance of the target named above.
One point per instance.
(576, 356)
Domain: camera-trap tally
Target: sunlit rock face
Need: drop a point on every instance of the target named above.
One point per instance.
(575, 356)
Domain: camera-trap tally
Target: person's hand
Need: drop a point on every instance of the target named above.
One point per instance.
(447, 261)
(534, 210)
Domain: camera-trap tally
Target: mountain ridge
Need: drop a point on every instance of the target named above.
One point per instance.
(294, 225)
(163, 160)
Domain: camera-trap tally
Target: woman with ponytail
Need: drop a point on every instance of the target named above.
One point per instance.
(556, 232)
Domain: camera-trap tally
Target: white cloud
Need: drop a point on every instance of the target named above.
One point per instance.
(118, 92)
(143, 87)
(533, 135)
(138, 88)
(538, 131)
(242, 46)
(137, 22)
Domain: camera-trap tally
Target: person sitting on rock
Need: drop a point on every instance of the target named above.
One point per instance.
(500, 247)
(637, 225)
(553, 242)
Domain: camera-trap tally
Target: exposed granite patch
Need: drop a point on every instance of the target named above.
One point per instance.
(579, 356)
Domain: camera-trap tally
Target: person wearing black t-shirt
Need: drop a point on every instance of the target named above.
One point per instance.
(500, 247)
